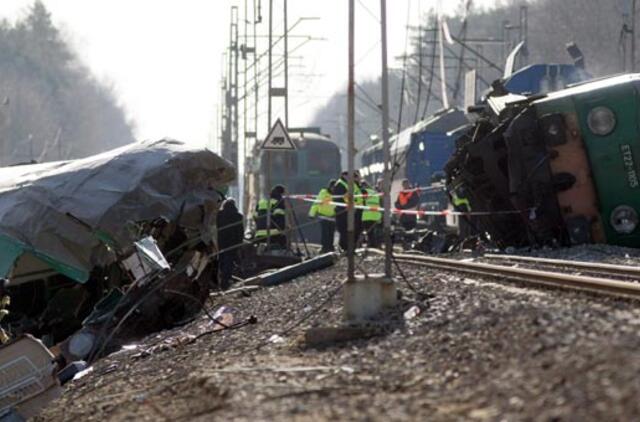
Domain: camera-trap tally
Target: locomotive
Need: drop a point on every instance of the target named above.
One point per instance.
(562, 165)
(304, 171)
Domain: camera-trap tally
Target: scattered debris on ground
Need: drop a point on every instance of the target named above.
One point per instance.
(457, 347)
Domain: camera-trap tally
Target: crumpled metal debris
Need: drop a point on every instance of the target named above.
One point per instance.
(73, 216)
(124, 235)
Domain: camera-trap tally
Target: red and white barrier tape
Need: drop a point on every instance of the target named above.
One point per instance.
(310, 196)
(418, 212)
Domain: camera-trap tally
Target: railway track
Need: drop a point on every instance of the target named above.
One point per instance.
(599, 285)
(625, 271)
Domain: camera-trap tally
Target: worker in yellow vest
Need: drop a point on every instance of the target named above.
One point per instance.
(325, 211)
(272, 225)
(340, 191)
(372, 217)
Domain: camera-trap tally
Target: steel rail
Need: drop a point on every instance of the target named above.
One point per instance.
(597, 285)
(623, 270)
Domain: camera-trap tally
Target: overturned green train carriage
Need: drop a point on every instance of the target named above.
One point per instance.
(568, 161)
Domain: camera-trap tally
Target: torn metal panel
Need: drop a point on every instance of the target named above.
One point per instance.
(63, 213)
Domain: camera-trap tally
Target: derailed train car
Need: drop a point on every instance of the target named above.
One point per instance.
(554, 169)
(132, 228)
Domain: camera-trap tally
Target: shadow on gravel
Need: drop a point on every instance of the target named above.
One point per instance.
(358, 335)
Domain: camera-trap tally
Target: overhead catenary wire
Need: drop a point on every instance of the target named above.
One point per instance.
(404, 70)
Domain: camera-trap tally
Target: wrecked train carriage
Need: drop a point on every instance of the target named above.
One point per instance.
(66, 228)
(555, 169)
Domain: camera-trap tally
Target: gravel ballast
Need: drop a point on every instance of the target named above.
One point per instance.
(479, 349)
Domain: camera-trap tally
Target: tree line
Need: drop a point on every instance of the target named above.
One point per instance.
(51, 107)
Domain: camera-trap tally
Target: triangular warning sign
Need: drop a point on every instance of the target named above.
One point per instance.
(278, 139)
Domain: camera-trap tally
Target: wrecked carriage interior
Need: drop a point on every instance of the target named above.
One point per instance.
(126, 234)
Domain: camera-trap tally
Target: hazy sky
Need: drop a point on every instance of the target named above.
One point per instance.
(163, 57)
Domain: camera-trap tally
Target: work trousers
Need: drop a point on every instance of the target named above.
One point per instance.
(226, 261)
(327, 231)
(408, 221)
(372, 228)
(341, 226)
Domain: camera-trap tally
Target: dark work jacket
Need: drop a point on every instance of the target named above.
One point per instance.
(230, 226)
(340, 191)
(410, 201)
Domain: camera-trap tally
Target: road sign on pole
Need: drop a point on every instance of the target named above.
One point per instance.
(278, 139)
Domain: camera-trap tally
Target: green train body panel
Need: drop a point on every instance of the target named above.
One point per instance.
(11, 250)
(613, 158)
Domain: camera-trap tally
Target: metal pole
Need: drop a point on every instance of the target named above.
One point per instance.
(350, 149)
(257, 18)
(385, 144)
(242, 195)
(524, 28)
(633, 36)
(286, 68)
(443, 77)
(270, 60)
(236, 83)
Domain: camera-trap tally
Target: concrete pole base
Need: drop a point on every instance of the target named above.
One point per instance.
(368, 296)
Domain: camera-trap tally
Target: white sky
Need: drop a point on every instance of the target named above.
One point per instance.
(163, 57)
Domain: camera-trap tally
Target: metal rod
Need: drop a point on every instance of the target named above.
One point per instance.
(268, 178)
(350, 149)
(242, 196)
(286, 68)
(270, 59)
(443, 77)
(633, 36)
(385, 144)
(236, 109)
(420, 81)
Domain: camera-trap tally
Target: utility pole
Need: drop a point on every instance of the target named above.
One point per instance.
(524, 29)
(633, 36)
(443, 76)
(351, 148)
(257, 19)
(270, 73)
(236, 119)
(385, 144)
(249, 118)
(286, 68)
(230, 131)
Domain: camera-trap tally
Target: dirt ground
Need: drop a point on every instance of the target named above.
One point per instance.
(480, 349)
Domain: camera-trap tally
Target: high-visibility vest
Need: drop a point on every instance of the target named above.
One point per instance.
(405, 196)
(372, 200)
(261, 217)
(459, 202)
(322, 205)
(358, 200)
